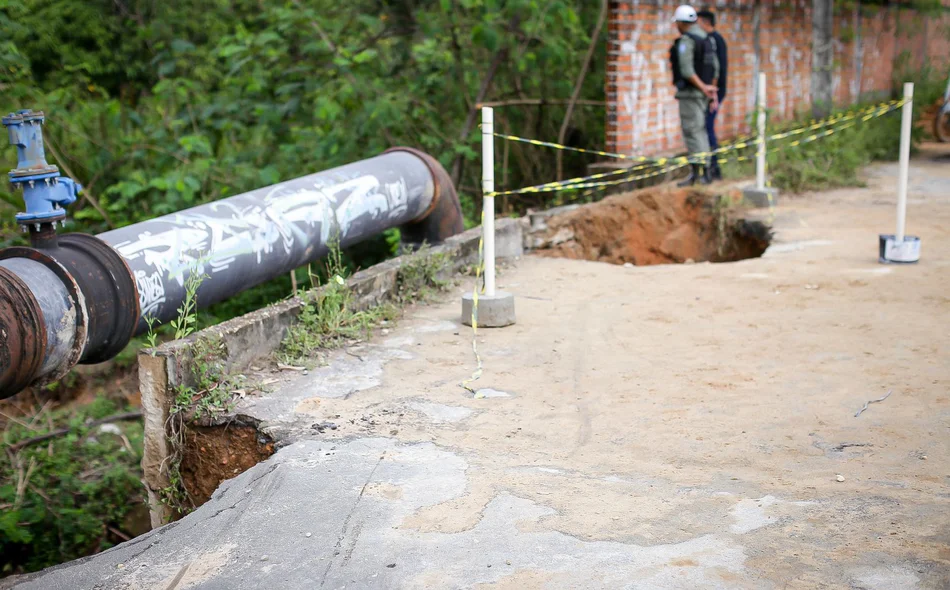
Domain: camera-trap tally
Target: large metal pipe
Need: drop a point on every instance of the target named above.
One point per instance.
(242, 241)
(94, 293)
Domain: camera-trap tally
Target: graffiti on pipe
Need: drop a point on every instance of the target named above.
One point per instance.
(294, 220)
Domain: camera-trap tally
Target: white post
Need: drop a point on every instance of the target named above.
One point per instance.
(907, 112)
(488, 187)
(760, 155)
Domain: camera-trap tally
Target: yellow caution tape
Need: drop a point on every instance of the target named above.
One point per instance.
(676, 163)
(651, 161)
(477, 374)
(818, 123)
(865, 115)
(739, 143)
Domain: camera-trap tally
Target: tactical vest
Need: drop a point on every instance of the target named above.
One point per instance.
(703, 68)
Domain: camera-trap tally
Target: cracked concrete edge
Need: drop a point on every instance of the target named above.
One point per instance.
(258, 334)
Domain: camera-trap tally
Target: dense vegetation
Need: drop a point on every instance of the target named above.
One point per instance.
(158, 106)
(215, 97)
(75, 493)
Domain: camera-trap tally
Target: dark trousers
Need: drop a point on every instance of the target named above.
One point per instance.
(711, 132)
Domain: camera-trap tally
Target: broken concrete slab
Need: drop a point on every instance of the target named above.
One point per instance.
(324, 515)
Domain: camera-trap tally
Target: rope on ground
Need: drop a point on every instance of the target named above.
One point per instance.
(477, 374)
(872, 401)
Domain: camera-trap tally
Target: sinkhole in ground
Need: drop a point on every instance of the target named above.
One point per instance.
(658, 225)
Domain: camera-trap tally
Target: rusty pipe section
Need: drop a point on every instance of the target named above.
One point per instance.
(78, 298)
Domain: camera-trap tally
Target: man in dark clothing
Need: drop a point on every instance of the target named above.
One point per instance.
(707, 20)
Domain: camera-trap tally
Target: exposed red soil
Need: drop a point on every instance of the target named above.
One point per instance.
(658, 225)
(213, 454)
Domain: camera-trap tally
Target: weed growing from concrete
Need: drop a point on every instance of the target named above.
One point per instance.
(328, 318)
(174, 495)
(211, 392)
(208, 393)
(421, 275)
(151, 337)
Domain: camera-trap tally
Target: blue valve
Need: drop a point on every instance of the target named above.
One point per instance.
(45, 192)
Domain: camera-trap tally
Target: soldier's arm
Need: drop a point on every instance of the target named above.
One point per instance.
(714, 87)
(686, 48)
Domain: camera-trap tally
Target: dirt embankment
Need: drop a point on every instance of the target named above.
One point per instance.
(659, 225)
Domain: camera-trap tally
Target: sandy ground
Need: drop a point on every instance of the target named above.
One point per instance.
(686, 426)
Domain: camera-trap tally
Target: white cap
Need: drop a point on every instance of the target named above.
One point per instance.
(685, 14)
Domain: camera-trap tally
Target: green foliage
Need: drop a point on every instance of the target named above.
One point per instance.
(212, 98)
(211, 389)
(833, 161)
(60, 498)
(174, 495)
(328, 318)
(186, 323)
(151, 337)
(930, 81)
(209, 392)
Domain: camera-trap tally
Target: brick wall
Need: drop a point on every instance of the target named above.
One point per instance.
(771, 36)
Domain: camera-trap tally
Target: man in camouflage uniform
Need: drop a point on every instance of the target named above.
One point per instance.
(695, 72)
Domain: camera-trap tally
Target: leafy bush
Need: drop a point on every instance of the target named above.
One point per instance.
(214, 98)
(835, 161)
(67, 497)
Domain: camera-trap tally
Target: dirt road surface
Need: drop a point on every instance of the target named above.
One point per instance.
(677, 426)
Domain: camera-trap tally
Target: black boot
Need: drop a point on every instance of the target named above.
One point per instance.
(715, 172)
(690, 180)
(706, 176)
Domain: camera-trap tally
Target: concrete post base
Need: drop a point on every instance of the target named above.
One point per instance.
(892, 251)
(493, 312)
(760, 197)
